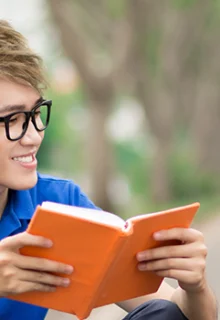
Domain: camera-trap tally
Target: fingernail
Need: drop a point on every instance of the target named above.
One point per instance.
(140, 256)
(48, 243)
(66, 282)
(141, 267)
(157, 236)
(69, 269)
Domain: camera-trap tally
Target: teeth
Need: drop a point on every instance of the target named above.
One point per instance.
(24, 159)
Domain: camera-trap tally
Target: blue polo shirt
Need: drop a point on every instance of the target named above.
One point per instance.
(15, 219)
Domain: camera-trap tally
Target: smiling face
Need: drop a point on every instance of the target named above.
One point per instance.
(18, 161)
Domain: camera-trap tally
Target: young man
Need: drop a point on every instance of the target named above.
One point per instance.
(24, 115)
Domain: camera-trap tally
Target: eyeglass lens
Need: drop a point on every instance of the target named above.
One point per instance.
(18, 122)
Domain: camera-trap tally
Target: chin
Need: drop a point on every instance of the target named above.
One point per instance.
(25, 183)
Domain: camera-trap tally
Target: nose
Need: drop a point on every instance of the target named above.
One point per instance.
(32, 136)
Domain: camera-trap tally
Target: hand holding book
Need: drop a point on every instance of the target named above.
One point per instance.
(185, 262)
(27, 274)
(103, 249)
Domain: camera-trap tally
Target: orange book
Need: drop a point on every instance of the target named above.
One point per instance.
(102, 248)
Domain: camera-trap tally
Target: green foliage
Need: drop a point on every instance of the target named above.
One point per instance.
(212, 21)
(183, 4)
(116, 8)
(133, 165)
(188, 184)
(187, 181)
(58, 133)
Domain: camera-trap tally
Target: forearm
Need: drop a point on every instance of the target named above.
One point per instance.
(196, 306)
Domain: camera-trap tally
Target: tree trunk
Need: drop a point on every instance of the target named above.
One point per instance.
(100, 93)
(206, 124)
(99, 159)
(157, 91)
(160, 178)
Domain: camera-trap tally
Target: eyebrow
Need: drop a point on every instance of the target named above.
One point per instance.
(18, 107)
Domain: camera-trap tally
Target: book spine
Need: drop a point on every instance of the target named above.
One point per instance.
(110, 257)
(114, 262)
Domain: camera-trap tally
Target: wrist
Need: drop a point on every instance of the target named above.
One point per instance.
(188, 302)
(200, 288)
(185, 295)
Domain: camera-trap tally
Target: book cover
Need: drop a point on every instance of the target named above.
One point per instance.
(102, 249)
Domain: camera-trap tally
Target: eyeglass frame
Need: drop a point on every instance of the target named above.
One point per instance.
(29, 115)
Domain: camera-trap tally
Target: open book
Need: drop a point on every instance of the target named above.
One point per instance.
(102, 248)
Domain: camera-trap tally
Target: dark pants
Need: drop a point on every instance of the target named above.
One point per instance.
(156, 310)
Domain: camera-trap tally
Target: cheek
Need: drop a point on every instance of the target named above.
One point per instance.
(6, 162)
(3, 138)
(6, 153)
(6, 148)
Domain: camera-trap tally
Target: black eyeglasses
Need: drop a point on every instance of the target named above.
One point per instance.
(16, 123)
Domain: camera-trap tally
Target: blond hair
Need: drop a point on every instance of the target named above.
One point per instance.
(18, 62)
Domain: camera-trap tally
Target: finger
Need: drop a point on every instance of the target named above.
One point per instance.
(179, 251)
(183, 276)
(165, 264)
(41, 264)
(24, 239)
(32, 286)
(182, 234)
(43, 278)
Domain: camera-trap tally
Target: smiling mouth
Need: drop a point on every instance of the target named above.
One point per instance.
(25, 159)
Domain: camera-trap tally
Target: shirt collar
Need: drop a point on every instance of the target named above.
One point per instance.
(22, 204)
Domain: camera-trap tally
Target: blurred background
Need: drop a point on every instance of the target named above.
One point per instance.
(135, 86)
(136, 99)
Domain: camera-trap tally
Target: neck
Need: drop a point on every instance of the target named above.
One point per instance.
(3, 199)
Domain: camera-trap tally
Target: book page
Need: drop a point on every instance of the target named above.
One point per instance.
(95, 215)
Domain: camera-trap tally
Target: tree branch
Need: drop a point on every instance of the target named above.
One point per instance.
(140, 20)
(121, 49)
(72, 41)
(95, 20)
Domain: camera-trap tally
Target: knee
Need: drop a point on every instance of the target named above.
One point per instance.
(168, 310)
(156, 310)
